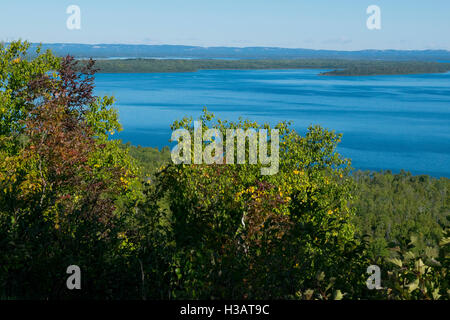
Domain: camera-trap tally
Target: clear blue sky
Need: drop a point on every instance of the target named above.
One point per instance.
(316, 24)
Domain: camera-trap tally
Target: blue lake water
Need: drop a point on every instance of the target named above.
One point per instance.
(388, 122)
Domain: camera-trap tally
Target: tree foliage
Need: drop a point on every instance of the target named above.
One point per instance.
(61, 180)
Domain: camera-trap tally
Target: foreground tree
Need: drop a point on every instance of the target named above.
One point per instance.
(240, 234)
(61, 180)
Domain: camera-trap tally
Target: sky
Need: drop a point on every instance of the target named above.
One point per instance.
(313, 24)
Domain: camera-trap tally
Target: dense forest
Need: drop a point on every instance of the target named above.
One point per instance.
(339, 67)
(143, 227)
(387, 206)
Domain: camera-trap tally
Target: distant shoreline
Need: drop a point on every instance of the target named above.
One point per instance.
(337, 67)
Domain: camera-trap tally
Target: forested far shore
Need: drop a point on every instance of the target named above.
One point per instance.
(338, 67)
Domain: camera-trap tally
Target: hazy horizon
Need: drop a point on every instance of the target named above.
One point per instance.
(231, 47)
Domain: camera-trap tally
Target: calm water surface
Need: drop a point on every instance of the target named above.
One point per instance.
(388, 122)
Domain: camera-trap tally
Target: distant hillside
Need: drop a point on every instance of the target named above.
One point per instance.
(343, 67)
(179, 51)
